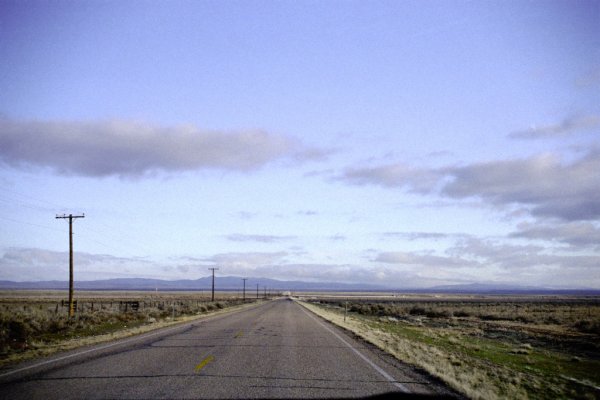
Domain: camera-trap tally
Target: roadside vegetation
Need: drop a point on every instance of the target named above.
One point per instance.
(37, 323)
(488, 348)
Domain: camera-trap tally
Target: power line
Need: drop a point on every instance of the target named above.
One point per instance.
(128, 241)
(18, 194)
(87, 237)
(29, 223)
(19, 203)
(125, 247)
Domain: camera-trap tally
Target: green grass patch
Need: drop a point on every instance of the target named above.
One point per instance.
(498, 355)
(550, 368)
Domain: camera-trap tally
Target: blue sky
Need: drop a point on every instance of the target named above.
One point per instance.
(401, 143)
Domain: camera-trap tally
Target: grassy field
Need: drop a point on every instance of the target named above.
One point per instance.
(36, 323)
(486, 347)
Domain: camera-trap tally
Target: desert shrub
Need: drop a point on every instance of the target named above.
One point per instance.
(88, 318)
(14, 334)
(35, 323)
(56, 325)
(363, 309)
(524, 319)
(492, 317)
(587, 326)
(122, 317)
(19, 330)
(416, 310)
(354, 308)
(437, 313)
(462, 313)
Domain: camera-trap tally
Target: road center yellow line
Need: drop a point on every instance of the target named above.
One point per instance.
(204, 362)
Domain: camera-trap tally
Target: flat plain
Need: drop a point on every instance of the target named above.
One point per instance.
(487, 347)
(273, 349)
(482, 346)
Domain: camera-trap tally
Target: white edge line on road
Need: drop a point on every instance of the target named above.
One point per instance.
(117, 343)
(371, 363)
(92, 350)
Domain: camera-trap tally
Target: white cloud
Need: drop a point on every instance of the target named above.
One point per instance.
(551, 188)
(26, 264)
(338, 237)
(566, 127)
(578, 235)
(471, 260)
(245, 215)
(415, 259)
(393, 175)
(544, 184)
(241, 261)
(483, 260)
(307, 213)
(519, 258)
(131, 149)
(239, 237)
(590, 79)
(422, 235)
(389, 276)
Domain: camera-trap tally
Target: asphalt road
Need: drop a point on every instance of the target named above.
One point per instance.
(275, 350)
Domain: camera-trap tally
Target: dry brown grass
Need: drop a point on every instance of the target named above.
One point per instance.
(539, 351)
(35, 323)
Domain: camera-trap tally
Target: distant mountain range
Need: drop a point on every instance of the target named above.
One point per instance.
(233, 283)
(499, 288)
(221, 283)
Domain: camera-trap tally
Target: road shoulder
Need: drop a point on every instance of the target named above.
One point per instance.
(378, 344)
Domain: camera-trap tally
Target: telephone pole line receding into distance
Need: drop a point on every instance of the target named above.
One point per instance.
(213, 284)
(70, 217)
(244, 295)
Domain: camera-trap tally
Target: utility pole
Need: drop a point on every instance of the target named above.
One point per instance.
(257, 291)
(71, 217)
(265, 292)
(213, 284)
(345, 310)
(244, 296)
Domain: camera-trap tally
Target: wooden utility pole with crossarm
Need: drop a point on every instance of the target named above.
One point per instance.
(212, 297)
(244, 295)
(70, 217)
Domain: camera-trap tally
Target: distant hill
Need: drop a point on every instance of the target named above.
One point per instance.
(484, 287)
(234, 283)
(221, 283)
(499, 288)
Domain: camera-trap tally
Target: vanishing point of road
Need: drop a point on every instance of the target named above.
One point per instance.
(274, 350)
